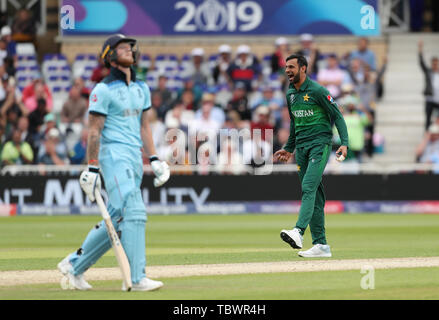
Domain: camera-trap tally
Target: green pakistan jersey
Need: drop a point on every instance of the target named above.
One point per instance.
(312, 112)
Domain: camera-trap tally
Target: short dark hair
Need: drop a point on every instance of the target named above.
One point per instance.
(301, 60)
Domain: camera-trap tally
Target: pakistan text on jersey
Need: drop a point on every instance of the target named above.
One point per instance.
(303, 113)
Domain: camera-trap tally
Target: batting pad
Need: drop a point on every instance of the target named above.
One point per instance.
(133, 241)
(95, 245)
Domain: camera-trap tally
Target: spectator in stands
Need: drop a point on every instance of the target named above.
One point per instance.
(332, 77)
(239, 101)
(36, 117)
(26, 135)
(24, 26)
(348, 95)
(188, 100)
(84, 91)
(310, 51)
(11, 46)
(223, 95)
(166, 95)
(100, 72)
(197, 92)
(34, 91)
(233, 121)
(245, 68)
(53, 151)
(363, 53)
(367, 90)
(179, 117)
(351, 96)
(219, 73)
(270, 100)
(279, 56)
(199, 70)
(365, 83)
(158, 105)
(431, 91)
(356, 72)
(216, 114)
(357, 119)
(428, 149)
(261, 121)
(49, 122)
(74, 109)
(206, 123)
(16, 151)
(3, 53)
(12, 109)
(78, 154)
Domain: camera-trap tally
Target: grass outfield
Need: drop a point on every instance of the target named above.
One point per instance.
(35, 243)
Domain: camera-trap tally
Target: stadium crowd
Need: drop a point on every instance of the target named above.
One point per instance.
(234, 91)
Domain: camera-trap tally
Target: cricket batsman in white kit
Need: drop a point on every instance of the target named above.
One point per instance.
(118, 129)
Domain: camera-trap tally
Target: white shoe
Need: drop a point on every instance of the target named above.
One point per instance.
(292, 237)
(317, 251)
(145, 284)
(71, 281)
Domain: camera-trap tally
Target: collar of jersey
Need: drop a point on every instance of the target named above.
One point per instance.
(119, 75)
(303, 87)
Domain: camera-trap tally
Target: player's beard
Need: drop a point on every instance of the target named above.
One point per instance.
(125, 62)
(296, 78)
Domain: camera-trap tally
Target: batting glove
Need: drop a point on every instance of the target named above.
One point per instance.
(161, 171)
(90, 181)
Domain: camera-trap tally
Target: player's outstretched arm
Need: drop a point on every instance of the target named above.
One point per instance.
(90, 179)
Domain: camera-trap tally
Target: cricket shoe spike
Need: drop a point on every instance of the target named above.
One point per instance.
(292, 237)
(71, 281)
(145, 284)
(317, 251)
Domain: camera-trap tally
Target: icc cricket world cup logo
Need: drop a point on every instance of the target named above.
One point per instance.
(211, 15)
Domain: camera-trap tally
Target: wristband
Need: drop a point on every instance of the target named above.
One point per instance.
(153, 158)
(93, 169)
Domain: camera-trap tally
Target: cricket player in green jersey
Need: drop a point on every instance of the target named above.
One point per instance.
(312, 111)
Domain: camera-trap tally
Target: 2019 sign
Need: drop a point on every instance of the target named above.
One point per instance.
(213, 16)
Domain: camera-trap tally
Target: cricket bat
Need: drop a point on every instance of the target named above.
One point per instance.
(115, 242)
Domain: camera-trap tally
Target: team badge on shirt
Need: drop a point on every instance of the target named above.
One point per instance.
(94, 98)
(292, 98)
(330, 98)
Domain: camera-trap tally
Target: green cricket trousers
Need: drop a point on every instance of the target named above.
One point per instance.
(311, 161)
